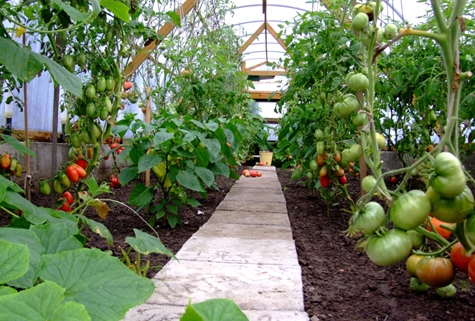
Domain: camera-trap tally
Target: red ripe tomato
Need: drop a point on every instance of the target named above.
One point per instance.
(72, 174)
(324, 181)
(459, 257)
(259, 174)
(69, 197)
(342, 180)
(442, 231)
(82, 162)
(65, 207)
(81, 171)
(393, 179)
(253, 173)
(435, 271)
(113, 145)
(246, 172)
(471, 268)
(127, 85)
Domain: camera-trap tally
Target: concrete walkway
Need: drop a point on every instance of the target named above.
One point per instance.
(245, 252)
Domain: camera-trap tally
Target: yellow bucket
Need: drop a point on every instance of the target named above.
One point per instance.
(266, 158)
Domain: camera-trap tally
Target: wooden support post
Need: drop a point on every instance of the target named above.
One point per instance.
(147, 120)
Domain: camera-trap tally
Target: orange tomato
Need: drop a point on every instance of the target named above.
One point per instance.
(442, 231)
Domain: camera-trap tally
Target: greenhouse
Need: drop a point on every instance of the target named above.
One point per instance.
(224, 160)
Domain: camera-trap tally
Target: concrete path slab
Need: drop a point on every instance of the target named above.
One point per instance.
(237, 217)
(251, 206)
(240, 231)
(251, 286)
(245, 252)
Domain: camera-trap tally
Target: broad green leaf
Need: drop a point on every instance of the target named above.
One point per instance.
(92, 184)
(32, 213)
(202, 157)
(175, 17)
(19, 146)
(69, 81)
(146, 244)
(188, 180)
(140, 195)
(99, 229)
(214, 310)
(5, 290)
(19, 61)
(128, 174)
(146, 162)
(211, 126)
(220, 168)
(120, 129)
(119, 9)
(72, 12)
(213, 146)
(205, 174)
(161, 137)
(102, 283)
(53, 216)
(56, 238)
(193, 202)
(199, 124)
(36, 249)
(13, 261)
(40, 303)
(6, 184)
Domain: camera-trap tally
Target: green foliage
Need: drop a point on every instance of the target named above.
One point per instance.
(185, 156)
(213, 310)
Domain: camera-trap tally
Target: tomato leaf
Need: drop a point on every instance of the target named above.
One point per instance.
(71, 11)
(162, 137)
(174, 17)
(145, 243)
(119, 9)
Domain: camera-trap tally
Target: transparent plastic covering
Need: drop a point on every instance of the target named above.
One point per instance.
(257, 22)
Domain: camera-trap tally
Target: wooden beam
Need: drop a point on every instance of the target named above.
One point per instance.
(252, 38)
(276, 36)
(33, 135)
(264, 95)
(258, 65)
(163, 32)
(265, 73)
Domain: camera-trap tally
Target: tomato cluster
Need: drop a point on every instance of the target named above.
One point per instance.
(251, 173)
(114, 181)
(114, 144)
(10, 165)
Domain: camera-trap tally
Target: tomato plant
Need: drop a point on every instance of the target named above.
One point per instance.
(410, 210)
(369, 218)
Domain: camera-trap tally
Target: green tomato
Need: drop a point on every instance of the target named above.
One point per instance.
(92, 111)
(380, 140)
(313, 165)
(369, 218)
(321, 148)
(45, 189)
(446, 292)
(318, 134)
(416, 238)
(90, 92)
(390, 248)
(410, 210)
(390, 31)
(358, 82)
(360, 21)
(103, 113)
(86, 138)
(106, 101)
(75, 140)
(411, 264)
(101, 84)
(367, 183)
(109, 83)
(449, 180)
(68, 63)
(360, 119)
(451, 210)
(418, 286)
(81, 59)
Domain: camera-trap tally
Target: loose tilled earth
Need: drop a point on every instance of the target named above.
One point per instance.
(340, 283)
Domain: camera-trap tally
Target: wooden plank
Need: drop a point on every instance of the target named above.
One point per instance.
(33, 135)
(276, 36)
(252, 38)
(257, 65)
(264, 95)
(163, 32)
(266, 72)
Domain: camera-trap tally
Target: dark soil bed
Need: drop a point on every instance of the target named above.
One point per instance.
(340, 283)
